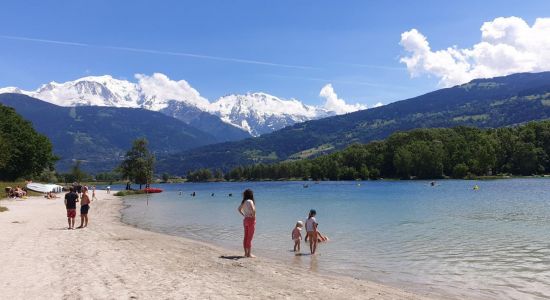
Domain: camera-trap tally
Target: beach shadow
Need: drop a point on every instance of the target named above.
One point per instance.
(232, 257)
(302, 254)
(58, 228)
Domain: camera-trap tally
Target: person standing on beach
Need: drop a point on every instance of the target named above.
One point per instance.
(93, 193)
(84, 208)
(70, 204)
(311, 229)
(248, 210)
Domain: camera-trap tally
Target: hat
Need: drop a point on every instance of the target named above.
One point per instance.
(299, 224)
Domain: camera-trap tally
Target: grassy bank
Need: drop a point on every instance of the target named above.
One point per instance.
(132, 192)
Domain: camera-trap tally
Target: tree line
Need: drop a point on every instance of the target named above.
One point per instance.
(457, 152)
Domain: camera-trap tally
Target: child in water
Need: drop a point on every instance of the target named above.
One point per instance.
(297, 235)
(311, 229)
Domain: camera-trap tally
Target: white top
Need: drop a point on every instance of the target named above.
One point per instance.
(247, 208)
(309, 224)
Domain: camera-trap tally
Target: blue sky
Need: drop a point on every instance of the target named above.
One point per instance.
(354, 45)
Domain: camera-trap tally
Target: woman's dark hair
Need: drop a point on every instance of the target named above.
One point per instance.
(248, 194)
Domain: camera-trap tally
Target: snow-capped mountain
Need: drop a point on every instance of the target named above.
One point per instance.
(260, 113)
(255, 113)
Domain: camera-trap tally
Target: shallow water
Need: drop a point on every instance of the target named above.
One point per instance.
(445, 240)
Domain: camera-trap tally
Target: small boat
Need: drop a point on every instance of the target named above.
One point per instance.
(152, 190)
(44, 188)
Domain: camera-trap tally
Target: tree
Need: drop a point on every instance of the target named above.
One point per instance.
(138, 163)
(76, 172)
(460, 171)
(218, 174)
(23, 151)
(165, 177)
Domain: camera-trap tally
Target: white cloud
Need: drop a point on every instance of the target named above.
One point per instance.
(335, 104)
(508, 45)
(378, 104)
(159, 87)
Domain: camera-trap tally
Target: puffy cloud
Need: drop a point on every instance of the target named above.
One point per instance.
(378, 104)
(508, 45)
(335, 104)
(159, 87)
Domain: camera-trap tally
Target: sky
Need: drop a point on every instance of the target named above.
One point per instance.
(368, 51)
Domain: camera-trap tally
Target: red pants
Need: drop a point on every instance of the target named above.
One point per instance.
(249, 224)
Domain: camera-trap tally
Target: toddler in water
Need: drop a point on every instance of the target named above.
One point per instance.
(297, 235)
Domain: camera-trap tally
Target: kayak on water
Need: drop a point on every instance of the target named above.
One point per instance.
(152, 190)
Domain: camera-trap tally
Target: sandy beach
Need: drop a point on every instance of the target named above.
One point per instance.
(41, 259)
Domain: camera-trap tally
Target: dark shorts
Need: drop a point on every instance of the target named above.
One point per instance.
(84, 209)
(71, 213)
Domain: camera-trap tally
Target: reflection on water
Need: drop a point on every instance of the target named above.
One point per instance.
(447, 239)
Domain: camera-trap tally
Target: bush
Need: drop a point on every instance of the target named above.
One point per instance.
(460, 171)
(130, 192)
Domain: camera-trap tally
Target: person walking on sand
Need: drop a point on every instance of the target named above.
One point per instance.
(93, 193)
(70, 204)
(84, 208)
(311, 229)
(248, 210)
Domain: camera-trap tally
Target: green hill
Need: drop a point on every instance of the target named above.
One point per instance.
(100, 136)
(484, 103)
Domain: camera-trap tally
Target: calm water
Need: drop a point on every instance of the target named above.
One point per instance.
(447, 239)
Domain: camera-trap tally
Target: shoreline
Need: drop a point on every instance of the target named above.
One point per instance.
(110, 259)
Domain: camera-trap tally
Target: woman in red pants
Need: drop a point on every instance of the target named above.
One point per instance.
(248, 210)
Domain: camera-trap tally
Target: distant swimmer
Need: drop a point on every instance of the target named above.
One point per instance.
(230, 195)
(476, 187)
(193, 194)
(212, 195)
(179, 193)
(432, 183)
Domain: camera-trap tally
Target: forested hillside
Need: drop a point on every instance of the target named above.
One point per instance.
(422, 153)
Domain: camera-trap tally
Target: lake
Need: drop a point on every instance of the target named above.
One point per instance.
(448, 239)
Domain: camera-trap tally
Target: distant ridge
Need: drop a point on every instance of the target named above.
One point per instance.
(486, 103)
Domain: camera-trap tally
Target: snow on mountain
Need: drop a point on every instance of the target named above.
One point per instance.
(260, 113)
(256, 113)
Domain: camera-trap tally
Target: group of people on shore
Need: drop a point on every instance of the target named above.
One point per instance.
(247, 209)
(16, 192)
(78, 193)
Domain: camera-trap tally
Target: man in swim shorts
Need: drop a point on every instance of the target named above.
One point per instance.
(70, 204)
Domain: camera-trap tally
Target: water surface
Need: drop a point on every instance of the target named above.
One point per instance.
(447, 239)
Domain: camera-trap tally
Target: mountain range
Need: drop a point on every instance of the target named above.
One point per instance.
(485, 103)
(231, 117)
